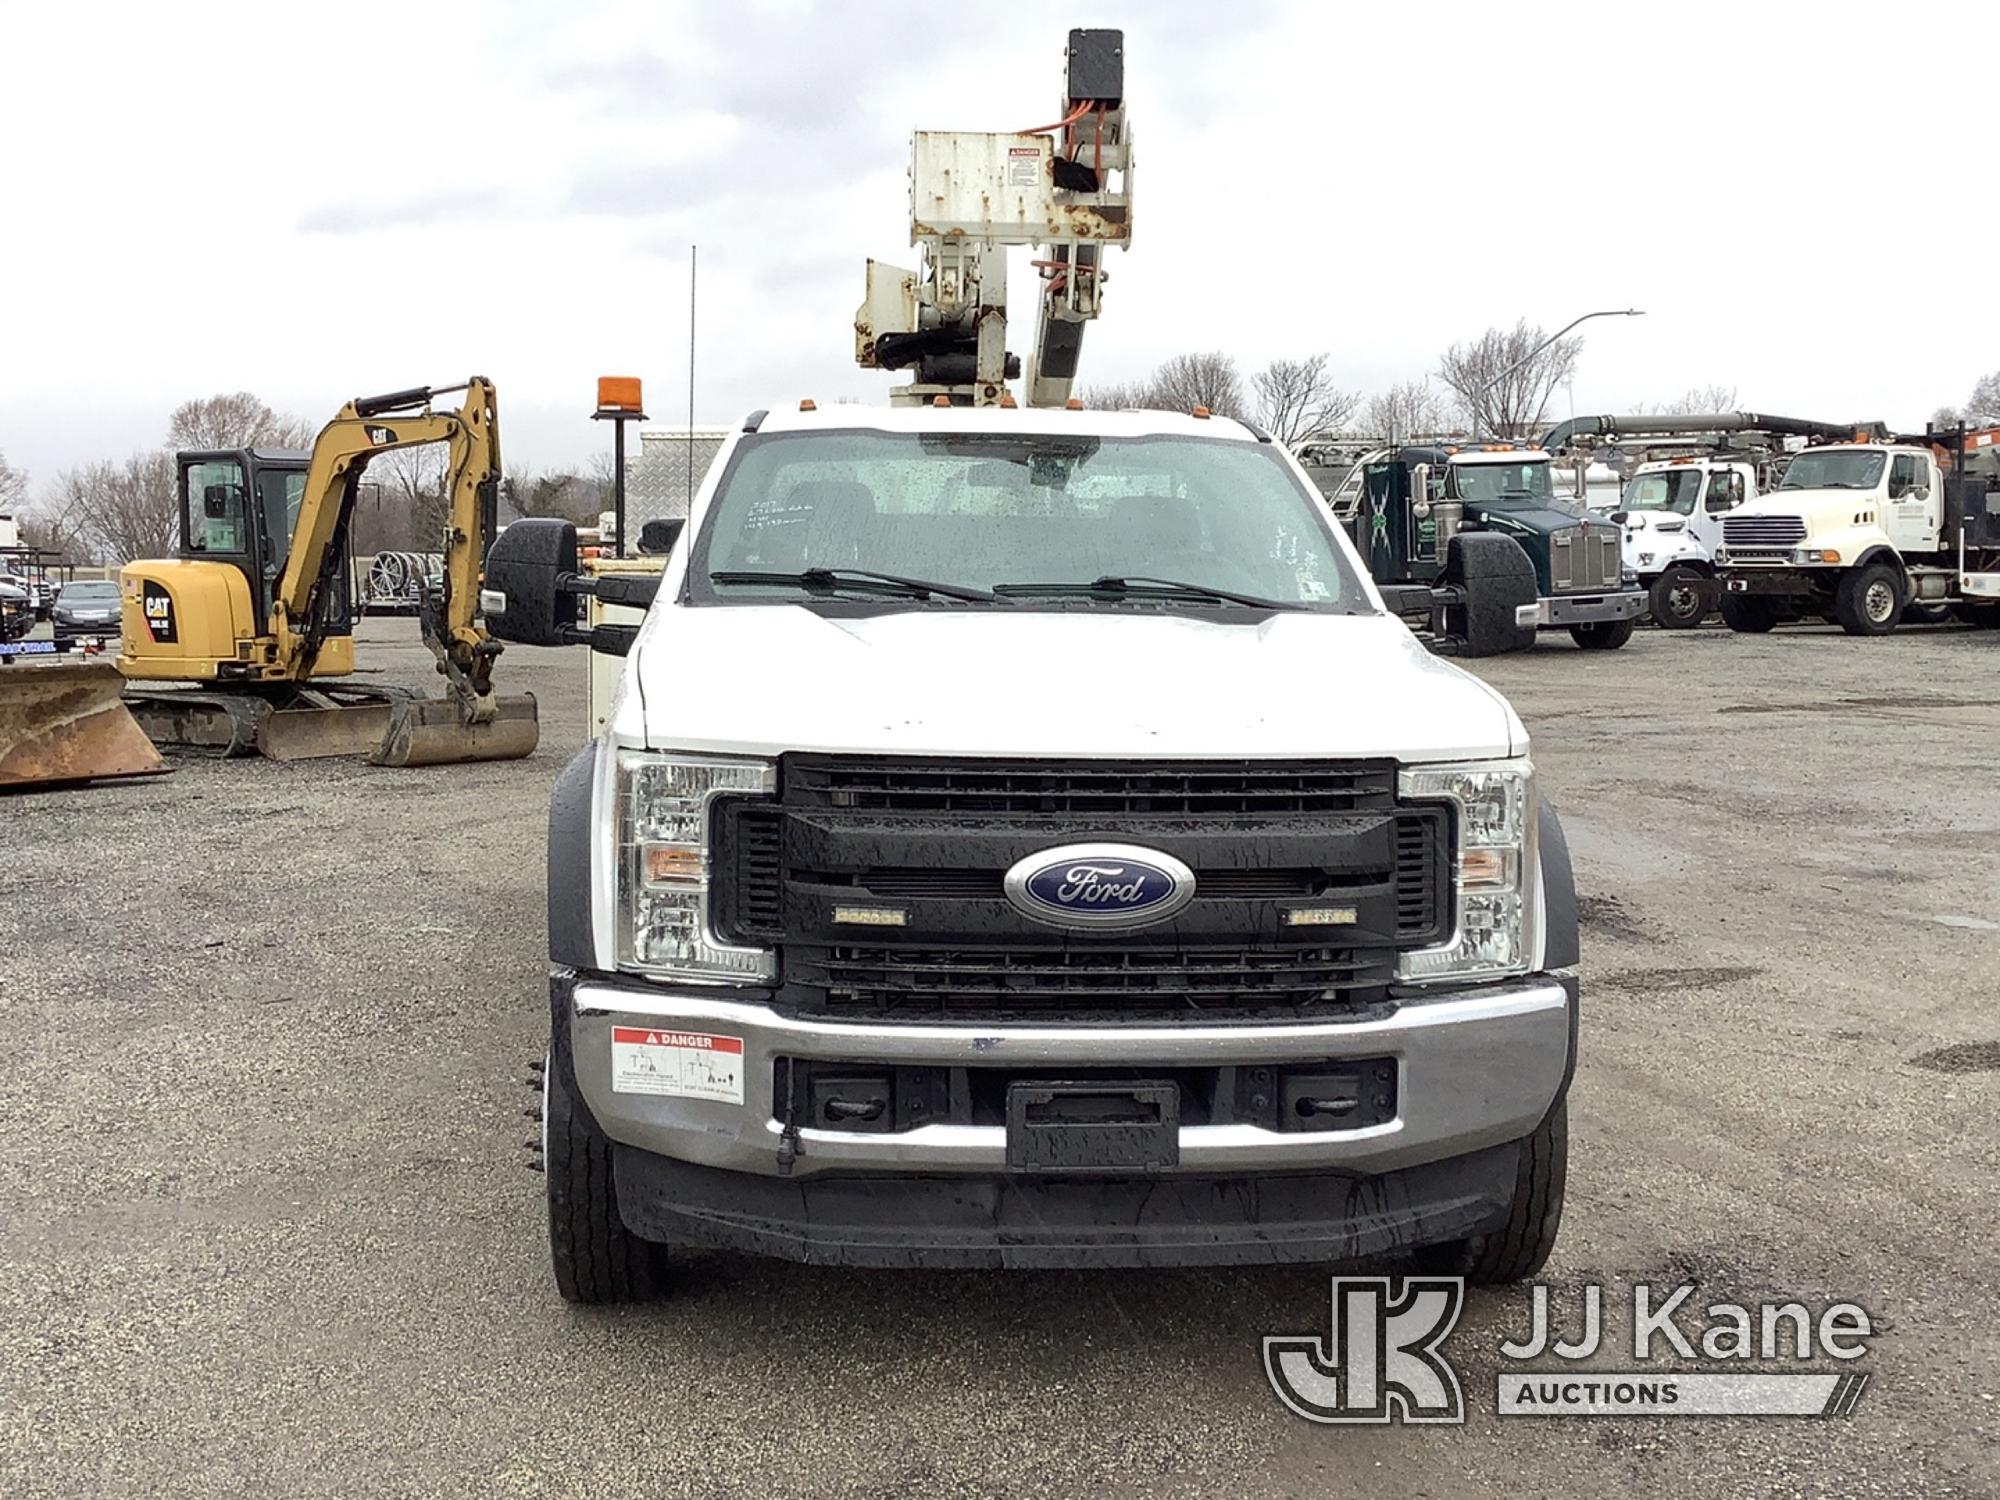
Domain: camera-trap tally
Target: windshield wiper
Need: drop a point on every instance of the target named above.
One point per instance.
(1139, 587)
(857, 580)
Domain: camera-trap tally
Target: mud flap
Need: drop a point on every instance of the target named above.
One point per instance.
(433, 732)
(66, 723)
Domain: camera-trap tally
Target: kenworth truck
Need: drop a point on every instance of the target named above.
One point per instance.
(1412, 501)
(1022, 837)
(1860, 531)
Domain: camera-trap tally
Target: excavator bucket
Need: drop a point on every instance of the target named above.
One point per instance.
(432, 732)
(314, 733)
(63, 721)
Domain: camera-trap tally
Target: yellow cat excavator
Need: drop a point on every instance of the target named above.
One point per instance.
(255, 612)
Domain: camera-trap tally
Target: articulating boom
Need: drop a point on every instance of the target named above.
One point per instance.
(1064, 188)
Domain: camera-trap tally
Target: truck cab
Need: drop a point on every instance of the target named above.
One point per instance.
(1855, 531)
(1415, 499)
(1672, 511)
(1022, 838)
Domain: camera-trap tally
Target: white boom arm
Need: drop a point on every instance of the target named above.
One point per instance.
(1065, 189)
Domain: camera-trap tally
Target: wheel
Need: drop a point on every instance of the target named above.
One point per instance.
(1680, 598)
(596, 1259)
(1517, 1249)
(1748, 613)
(1602, 635)
(1868, 600)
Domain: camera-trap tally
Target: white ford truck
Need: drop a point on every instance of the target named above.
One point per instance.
(1022, 837)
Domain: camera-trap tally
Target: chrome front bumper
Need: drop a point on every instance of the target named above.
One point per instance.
(1477, 1068)
(1591, 609)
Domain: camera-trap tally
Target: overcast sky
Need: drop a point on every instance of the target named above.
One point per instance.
(318, 201)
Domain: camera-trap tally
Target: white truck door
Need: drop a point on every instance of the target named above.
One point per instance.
(1726, 489)
(1914, 508)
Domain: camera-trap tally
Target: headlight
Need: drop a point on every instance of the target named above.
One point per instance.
(664, 802)
(1494, 813)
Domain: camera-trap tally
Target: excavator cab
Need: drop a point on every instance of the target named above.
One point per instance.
(196, 616)
(241, 507)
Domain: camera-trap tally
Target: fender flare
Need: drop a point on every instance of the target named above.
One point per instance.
(1882, 553)
(572, 937)
(1561, 945)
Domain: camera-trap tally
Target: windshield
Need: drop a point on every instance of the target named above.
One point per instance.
(980, 511)
(1672, 489)
(90, 591)
(1523, 483)
(1835, 469)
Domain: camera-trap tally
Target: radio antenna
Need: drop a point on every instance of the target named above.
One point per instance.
(693, 250)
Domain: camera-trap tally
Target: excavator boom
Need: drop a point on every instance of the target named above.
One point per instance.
(282, 693)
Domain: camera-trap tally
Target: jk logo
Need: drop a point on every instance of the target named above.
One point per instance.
(1382, 1363)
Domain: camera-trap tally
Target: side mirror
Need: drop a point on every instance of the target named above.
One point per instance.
(523, 594)
(532, 585)
(657, 538)
(1920, 492)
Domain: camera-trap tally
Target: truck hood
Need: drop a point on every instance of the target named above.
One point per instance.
(1811, 504)
(1654, 520)
(757, 680)
(1541, 520)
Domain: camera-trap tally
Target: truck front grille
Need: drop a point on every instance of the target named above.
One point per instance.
(934, 840)
(917, 984)
(1762, 531)
(1106, 789)
(1586, 560)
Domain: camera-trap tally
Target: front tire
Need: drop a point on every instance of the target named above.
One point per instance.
(1680, 598)
(1519, 1247)
(1868, 600)
(596, 1259)
(1748, 614)
(1602, 635)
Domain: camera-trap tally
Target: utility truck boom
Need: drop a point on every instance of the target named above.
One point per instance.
(1063, 188)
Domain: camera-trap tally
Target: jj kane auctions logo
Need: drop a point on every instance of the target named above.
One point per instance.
(1384, 1361)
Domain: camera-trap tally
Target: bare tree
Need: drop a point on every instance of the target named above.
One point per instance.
(236, 421)
(1983, 405)
(1699, 400)
(125, 510)
(1411, 410)
(1297, 397)
(1945, 416)
(1505, 378)
(1190, 380)
(413, 481)
(13, 486)
(1125, 395)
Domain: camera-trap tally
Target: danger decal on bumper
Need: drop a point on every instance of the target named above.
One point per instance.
(684, 1064)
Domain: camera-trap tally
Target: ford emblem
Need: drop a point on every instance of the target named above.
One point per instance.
(1100, 885)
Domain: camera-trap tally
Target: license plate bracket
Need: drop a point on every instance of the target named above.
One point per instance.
(1064, 1126)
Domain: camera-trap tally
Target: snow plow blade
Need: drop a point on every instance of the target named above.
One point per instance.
(433, 732)
(64, 722)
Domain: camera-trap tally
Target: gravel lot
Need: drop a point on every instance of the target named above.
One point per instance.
(265, 1223)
